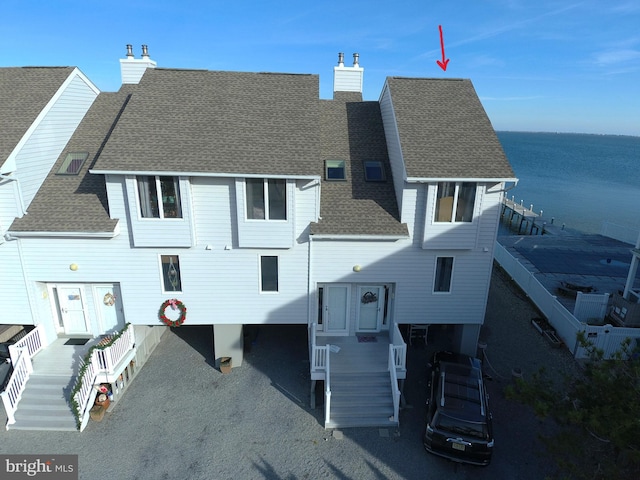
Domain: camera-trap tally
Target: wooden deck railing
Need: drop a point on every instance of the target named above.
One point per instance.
(327, 391)
(21, 353)
(32, 342)
(395, 391)
(319, 354)
(399, 349)
(99, 360)
(22, 368)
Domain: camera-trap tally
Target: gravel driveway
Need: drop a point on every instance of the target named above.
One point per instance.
(183, 419)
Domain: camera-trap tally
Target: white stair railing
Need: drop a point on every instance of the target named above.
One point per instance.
(32, 343)
(102, 359)
(327, 390)
(22, 368)
(399, 349)
(395, 391)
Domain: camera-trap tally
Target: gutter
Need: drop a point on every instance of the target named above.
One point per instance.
(330, 236)
(16, 235)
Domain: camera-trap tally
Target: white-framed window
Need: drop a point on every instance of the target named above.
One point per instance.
(171, 280)
(335, 170)
(455, 201)
(266, 198)
(159, 196)
(269, 273)
(444, 272)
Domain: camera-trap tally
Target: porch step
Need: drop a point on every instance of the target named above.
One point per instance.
(44, 405)
(361, 400)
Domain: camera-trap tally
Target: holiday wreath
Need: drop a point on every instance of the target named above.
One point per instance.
(174, 304)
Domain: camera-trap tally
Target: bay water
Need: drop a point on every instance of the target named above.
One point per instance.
(580, 180)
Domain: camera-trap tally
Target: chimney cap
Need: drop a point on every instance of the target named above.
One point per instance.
(356, 56)
(129, 50)
(145, 51)
(341, 59)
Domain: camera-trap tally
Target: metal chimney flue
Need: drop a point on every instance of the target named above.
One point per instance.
(145, 51)
(129, 50)
(341, 59)
(356, 56)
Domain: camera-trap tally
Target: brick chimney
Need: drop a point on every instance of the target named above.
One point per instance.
(132, 69)
(348, 79)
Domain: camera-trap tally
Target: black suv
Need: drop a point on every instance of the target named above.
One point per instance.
(458, 418)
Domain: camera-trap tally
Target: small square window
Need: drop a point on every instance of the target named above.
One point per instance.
(335, 170)
(72, 163)
(171, 273)
(373, 171)
(268, 274)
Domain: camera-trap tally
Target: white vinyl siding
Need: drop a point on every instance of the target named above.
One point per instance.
(159, 232)
(264, 233)
(411, 271)
(46, 142)
(393, 147)
(453, 235)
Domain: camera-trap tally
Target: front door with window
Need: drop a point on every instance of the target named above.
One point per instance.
(336, 309)
(370, 308)
(73, 312)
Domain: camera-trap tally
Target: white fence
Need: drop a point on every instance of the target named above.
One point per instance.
(567, 326)
(591, 306)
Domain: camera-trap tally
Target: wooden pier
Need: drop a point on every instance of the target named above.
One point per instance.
(525, 221)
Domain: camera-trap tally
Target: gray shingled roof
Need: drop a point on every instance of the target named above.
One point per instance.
(24, 92)
(444, 130)
(77, 203)
(222, 122)
(353, 131)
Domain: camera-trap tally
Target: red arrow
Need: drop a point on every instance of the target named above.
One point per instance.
(442, 64)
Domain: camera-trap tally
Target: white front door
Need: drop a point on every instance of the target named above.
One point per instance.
(109, 307)
(370, 308)
(73, 310)
(336, 309)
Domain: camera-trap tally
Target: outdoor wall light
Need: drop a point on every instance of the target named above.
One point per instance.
(73, 267)
(357, 268)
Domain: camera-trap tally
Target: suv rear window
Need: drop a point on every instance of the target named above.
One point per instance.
(455, 425)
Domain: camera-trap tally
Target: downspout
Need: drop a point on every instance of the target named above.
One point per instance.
(23, 209)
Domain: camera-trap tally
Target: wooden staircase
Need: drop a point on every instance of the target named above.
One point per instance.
(44, 405)
(361, 387)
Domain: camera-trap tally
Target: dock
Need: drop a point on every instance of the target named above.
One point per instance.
(525, 221)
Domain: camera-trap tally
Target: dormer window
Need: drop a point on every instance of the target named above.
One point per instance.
(335, 170)
(455, 201)
(72, 163)
(373, 171)
(159, 197)
(266, 198)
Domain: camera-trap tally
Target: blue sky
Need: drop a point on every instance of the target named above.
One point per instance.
(544, 65)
